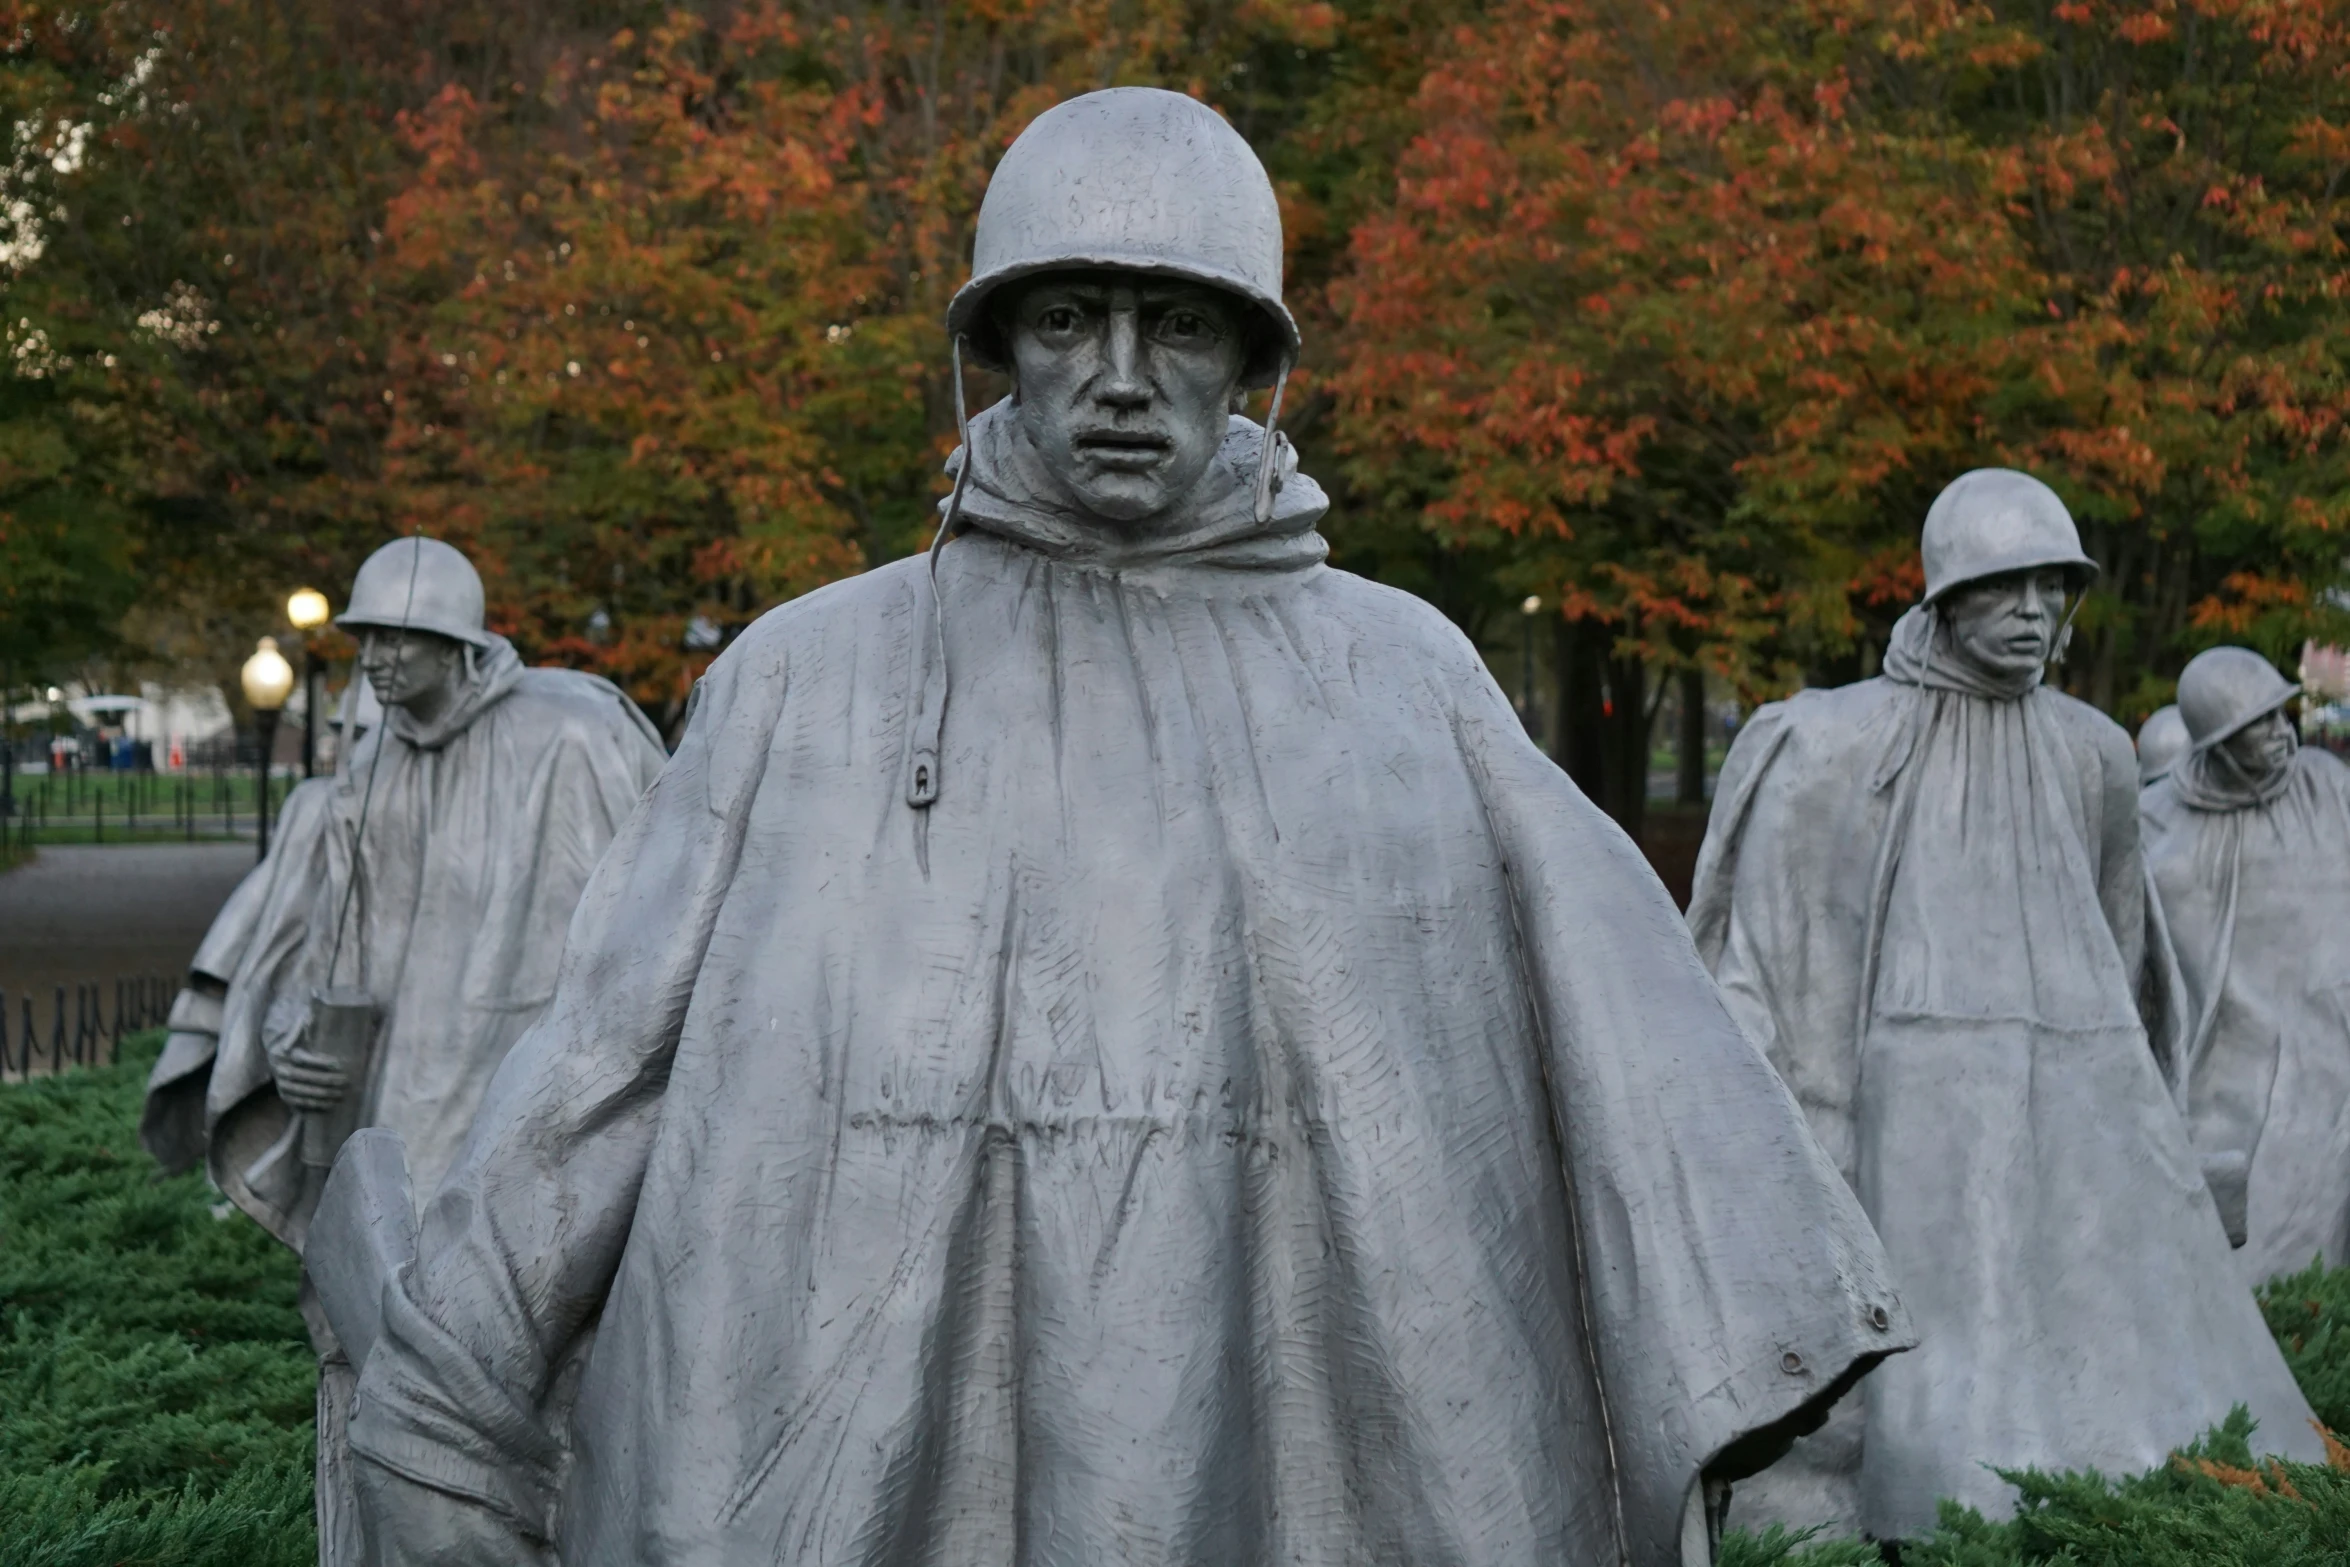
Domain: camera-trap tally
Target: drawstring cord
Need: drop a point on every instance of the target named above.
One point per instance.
(930, 709)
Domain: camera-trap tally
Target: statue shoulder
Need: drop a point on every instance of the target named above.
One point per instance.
(1392, 620)
(2089, 731)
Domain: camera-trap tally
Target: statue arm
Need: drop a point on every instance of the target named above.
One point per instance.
(518, 1248)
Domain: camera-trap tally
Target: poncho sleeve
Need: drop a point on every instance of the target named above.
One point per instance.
(518, 1248)
(1734, 1289)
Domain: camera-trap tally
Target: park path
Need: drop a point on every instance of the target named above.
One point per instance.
(108, 912)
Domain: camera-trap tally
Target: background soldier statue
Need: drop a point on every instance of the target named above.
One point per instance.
(416, 902)
(2162, 740)
(2248, 842)
(1107, 1045)
(1923, 896)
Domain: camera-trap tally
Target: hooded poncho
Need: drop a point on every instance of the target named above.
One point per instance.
(1259, 1113)
(1923, 897)
(481, 831)
(2255, 884)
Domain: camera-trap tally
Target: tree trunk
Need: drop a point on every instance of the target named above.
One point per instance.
(1628, 717)
(1690, 784)
(1576, 734)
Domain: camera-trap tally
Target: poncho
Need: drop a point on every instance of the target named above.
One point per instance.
(1923, 897)
(481, 830)
(1259, 1113)
(2255, 884)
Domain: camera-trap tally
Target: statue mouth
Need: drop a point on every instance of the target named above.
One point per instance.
(1123, 449)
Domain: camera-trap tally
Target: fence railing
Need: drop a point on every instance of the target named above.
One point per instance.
(88, 806)
(79, 1030)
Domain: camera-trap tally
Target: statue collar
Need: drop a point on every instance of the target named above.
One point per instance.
(491, 672)
(1920, 654)
(2210, 780)
(1012, 495)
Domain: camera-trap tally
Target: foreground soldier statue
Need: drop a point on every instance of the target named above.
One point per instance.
(1922, 894)
(2248, 842)
(421, 895)
(1107, 1045)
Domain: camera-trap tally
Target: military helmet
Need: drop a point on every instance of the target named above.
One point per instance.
(2225, 688)
(1137, 179)
(417, 584)
(2162, 740)
(1992, 521)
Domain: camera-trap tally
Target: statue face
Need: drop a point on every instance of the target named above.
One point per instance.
(1124, 383)
(409, 667)
(2261, 746)
(2007, 624)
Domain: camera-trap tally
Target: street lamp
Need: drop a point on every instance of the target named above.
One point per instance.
(1531, 608)
(307, 609)
(268, 680)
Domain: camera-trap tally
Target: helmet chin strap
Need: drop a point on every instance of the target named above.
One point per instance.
(1269, 459)
(930, 708)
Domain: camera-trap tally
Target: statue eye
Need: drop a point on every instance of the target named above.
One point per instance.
(1186, 326)
(1058, 318)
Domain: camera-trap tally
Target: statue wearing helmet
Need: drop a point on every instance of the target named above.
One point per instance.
(2162, 740)
(1108, 1045)
(1924, 899)
(2248, 851)
(403, 930)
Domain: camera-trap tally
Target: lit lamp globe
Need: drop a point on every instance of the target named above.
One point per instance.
(267, 677)
(306, 609)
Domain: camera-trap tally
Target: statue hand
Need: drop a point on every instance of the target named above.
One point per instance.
(310, 1083)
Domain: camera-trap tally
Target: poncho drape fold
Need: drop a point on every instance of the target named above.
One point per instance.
(1260, 1113)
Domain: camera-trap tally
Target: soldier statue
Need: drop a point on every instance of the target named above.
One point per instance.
(1923, 896)
(1107, 1045)
(2162, 740)
(2248, 843)
(413, 906)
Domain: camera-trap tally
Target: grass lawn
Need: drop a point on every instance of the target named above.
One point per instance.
(156, 1387)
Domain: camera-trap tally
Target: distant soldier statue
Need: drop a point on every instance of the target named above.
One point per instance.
(2162, 740)
(1922, 895)
(1107, 1045)
(2248, 839)
(415, 904)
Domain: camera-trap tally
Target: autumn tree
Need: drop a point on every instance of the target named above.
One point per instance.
(1684, 314)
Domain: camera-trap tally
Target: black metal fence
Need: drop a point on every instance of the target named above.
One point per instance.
(78, 805)
(80, 1029)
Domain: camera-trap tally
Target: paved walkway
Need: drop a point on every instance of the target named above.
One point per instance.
(105, 912)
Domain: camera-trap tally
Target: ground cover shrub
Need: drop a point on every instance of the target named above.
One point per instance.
(156, 1390)
(156, 1384)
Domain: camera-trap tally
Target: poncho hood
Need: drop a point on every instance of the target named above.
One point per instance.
(2209, 780)
(1012, 495)
(1922, 652)
(491, 672)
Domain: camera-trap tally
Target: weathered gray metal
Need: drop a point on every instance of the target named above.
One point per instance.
(2224, 688)
(423, 893)
(1258, 1112)
(1138, 180)
(2162, 740)
(1992, 521)
(1923, 897)
(2248, 848)
(418, 584)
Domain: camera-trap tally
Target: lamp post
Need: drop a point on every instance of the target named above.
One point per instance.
(1526, 711)
(307, 609)
(268, 680)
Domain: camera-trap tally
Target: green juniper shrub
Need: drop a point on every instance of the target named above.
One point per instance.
(156, 1385)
